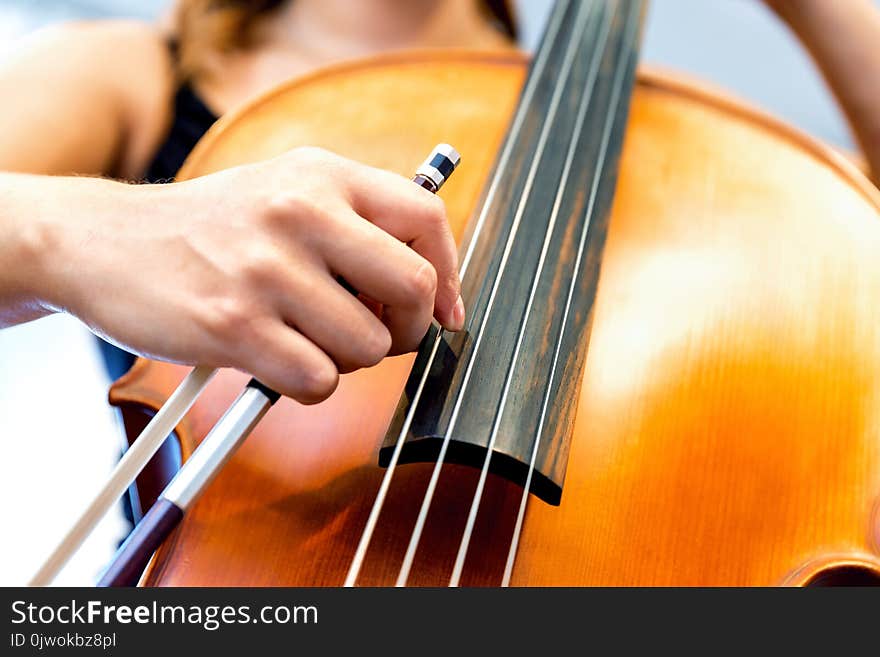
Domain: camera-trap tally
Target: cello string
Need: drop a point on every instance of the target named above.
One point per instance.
(552, 109)
(503, 164)
(586, 98)
(617, 90)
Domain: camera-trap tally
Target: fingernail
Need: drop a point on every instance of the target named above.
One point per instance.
(458, 315)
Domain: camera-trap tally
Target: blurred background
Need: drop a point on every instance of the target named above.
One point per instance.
(58, 437)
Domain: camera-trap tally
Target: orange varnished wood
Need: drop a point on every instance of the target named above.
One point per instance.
(728, 429)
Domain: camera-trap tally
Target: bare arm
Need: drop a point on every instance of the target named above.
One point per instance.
(844, 39)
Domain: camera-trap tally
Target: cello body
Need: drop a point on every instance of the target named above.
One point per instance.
(728, 422)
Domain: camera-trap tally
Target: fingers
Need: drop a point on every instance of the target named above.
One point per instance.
(288, 362)
(386, 236)
(388, 271)
(337, 322)
(417, 217)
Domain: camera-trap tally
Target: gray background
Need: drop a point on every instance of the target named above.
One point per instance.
(59, 438)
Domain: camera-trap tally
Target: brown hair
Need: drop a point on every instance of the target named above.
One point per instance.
(205, 26)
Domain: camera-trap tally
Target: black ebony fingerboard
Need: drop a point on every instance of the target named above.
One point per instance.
(531, 262)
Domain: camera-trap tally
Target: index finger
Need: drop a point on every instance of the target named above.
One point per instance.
(415, 216)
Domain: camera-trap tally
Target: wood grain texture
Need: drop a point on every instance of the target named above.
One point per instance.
(727, 430)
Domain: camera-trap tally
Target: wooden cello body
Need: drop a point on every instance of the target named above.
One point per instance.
(728, 422)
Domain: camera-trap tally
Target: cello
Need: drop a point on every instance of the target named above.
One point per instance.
(671, 364)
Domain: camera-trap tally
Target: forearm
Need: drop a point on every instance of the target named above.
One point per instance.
(844, 40)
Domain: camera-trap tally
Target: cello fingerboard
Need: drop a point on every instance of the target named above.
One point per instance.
(531, 258)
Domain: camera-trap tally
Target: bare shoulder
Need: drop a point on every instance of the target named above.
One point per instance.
(123, 66)
(106, 52)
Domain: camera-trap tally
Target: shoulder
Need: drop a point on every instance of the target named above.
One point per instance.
(123, 64)
(101, 50)
(129, 40)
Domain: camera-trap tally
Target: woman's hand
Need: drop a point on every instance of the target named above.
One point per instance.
(240, 268)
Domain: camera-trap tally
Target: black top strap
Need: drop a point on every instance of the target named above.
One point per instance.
(192, 119)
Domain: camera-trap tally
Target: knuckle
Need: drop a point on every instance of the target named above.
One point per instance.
(435, 210)
(259, 268)
(321, 163)
(375, 345)
(308, 213)
(286, 207)
(229, 319)
(311, 154)
(315, 163)
(316, 384)
(421, 283)
(452, 283)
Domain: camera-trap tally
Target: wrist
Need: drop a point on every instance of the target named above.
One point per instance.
(69, 234)
(24, 245)
(39, 245)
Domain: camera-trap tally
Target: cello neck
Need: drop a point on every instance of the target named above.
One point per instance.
(530, 263)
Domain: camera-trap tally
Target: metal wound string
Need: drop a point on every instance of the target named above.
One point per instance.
(586, 98)
(503, 164)
(542, 142)
(606, 136)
